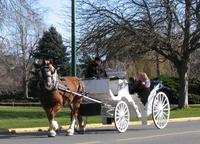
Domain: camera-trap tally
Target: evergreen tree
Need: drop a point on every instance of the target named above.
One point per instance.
(51, 46)
(84, 60)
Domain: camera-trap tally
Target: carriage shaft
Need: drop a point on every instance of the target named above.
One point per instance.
(65, 89)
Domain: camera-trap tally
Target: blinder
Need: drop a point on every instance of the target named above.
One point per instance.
(47, 74)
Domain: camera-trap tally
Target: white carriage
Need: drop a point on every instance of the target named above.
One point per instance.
(111, 99)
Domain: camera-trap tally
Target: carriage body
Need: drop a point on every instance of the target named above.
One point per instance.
(114, 93)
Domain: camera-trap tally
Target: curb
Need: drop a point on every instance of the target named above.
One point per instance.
(98, 125)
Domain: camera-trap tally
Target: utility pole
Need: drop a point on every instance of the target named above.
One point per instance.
(73, 38)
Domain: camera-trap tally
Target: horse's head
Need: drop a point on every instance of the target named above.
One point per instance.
(48, 75)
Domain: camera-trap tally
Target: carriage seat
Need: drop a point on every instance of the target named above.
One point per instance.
(96, 86)
(114, 86)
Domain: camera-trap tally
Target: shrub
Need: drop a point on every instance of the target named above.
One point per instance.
(171, 88)
(12, 95)
(193, 98)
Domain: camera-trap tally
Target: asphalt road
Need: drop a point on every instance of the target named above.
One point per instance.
(174, 133)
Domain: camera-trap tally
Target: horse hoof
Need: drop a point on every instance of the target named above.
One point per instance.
(52, 133)
(58, 130)
(70, 132)
(81, 132)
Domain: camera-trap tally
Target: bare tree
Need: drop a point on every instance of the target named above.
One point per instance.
(194, 70)
(169, 27)
(175, 37)
(23, 26)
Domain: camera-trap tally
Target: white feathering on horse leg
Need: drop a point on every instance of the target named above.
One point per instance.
(55, 125)
(82, 127)
(70, 130)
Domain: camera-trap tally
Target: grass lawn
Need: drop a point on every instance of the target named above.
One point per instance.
(193, 111)
(22, 117)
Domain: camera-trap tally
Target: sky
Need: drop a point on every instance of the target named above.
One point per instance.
(55, 15)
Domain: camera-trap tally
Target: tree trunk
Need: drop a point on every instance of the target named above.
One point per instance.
(26, 89)
(183, 85)
(25, 82)
(157, 65)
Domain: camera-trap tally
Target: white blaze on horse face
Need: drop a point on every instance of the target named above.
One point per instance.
(49, 80)
(54, 76)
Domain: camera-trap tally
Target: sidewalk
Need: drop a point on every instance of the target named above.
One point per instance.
(99, 125)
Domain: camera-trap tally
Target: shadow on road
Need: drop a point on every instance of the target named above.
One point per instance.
(30, 135)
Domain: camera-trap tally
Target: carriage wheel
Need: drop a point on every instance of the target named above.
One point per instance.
(161, 110)
(121, 116)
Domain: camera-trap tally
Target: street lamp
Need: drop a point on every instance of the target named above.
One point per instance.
(73, 38)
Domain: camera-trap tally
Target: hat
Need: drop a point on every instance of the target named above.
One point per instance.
(97, 58)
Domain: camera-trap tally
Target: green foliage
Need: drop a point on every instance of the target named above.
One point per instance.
(34, 88)
(194, 91)
(173, 85)
(51, 46)
(171, 82)
(193, 98)
(194, 85)
(10, 95)
(84, 61)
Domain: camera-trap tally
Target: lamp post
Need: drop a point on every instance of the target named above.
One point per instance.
(73, 38)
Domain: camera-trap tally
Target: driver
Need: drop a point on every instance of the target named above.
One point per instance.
(95, 69)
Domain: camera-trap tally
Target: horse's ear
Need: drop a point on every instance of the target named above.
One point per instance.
(46, 61)
(51, 61)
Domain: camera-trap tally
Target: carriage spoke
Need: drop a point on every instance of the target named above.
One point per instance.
(121, 116)
(164, 106)
(161, 110)
(166, 114)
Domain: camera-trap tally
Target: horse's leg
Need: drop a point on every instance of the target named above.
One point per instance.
(75, 113)
(80, 119)
(53, 125)
(81, 124)
(70, 130)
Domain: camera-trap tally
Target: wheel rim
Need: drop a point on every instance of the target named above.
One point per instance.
(161, 110)
(121, 116)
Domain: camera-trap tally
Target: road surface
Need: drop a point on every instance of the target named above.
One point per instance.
(174, 133)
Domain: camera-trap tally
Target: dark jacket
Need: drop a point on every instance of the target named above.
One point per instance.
(95, 70)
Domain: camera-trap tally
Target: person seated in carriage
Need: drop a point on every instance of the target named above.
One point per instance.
(95, 69)
(140, 86)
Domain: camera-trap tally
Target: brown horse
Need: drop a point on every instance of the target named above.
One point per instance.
(53, 100)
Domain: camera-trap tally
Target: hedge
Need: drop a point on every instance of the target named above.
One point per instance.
(171, 87)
